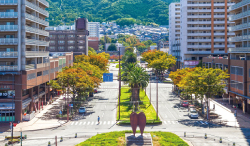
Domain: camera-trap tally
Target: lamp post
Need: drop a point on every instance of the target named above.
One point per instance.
(119, 82)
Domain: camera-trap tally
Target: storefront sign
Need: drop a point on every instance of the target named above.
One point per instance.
(5, 87)
(191, 63)
(7, 94)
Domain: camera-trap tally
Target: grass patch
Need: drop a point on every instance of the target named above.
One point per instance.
(127, 108)
(167, 139)
(118, 139)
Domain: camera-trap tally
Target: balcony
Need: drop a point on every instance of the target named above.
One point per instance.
(205, 40)
(29, 66)
(239, 5)
(44, 2)
(8, 2)
(8, 14)
(8, 54)
(240, 38)
(204, 52)
(8, 41)
(205, 28)
(36, 19)
(36, 30)
(8, 27)
(36, 8)
(37, 54)
(240, 27)
(239, 50)
(240, 15)
(36, 42)
(9, 68)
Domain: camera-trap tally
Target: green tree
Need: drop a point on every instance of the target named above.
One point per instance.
(131, 49)
(112, 47)
(92, 50)
(137, 79)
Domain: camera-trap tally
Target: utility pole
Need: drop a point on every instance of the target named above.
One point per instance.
(119, 82)
(157, 98)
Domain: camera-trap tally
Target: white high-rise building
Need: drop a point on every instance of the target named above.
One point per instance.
(174, 30)
(93, 28)
(202, 32)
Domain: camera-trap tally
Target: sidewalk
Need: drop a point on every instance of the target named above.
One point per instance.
(39, 123)
(226, 113)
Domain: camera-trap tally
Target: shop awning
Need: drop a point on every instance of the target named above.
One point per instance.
(26, 102)
(7, 106)
(239, 94)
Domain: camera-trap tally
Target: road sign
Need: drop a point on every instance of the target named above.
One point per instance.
(107, 77)
(60, 112)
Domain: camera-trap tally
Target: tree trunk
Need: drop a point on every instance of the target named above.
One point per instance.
(135, 96)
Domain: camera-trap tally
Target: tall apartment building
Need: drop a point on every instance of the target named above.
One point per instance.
(203, 24)
(25, 66)
(174, 31)
(94, 35)
(69, 39)
(93, 28)
(238, 61)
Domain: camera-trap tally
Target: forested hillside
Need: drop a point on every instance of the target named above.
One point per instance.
(143, 11)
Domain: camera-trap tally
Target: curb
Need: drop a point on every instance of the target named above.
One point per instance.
(43, 128)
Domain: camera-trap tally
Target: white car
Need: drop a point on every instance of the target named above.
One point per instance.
(193, 113)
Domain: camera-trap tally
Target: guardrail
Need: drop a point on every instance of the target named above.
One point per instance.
(8, 54)
(37, 8)
(8, 28)
(8, 41)
(8, 14)
(8, 2)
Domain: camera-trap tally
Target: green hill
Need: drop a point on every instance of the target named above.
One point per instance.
(144, 11)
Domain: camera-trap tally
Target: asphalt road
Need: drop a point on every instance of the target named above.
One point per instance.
(104, 104)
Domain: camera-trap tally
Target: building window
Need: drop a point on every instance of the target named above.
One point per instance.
(61, 48)
(71, 48)
(31, 76)
(60, 42)
(39, 73)
(240, 71)
(25, 92)
(71, 42)
(240, 86)
(71, 36)
(46, 72)
(233, 85)
(61, 36)
(232, 70)
(52, 48)
(52, 42)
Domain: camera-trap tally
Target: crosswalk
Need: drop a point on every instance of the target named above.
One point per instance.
(89, 123)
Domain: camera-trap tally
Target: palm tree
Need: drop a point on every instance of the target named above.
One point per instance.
(138, 79)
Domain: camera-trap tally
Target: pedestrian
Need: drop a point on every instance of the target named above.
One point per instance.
(98, 120)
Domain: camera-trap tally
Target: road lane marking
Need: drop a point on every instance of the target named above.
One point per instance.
(80, 123)
(102, 114)
(92, 123)
(108, 122)
(173, 122)
(176, 122)
(206, 122)
(76, 123)
(113, 122)
(88, 123)
(104, 122)
(96, 123)
(84, 123)
(201, 122)
(100, 122)
(72, 123)
(169, 122)
(165, 122)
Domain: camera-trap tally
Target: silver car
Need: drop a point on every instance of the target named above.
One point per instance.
(193, 113)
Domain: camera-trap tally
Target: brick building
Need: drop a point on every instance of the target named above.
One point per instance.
(69, 39)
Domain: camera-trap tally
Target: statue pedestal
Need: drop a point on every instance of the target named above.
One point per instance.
(138, 140)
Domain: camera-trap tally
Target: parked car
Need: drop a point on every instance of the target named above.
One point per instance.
(193, 113)
(82, 110)
(191, 107)
(184, 104)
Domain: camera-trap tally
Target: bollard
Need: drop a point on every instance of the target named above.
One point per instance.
(205, 135)
(61, 139)
(220, 140)
(76, 135)
(49, 143)
(184, 134)
(234, 144)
